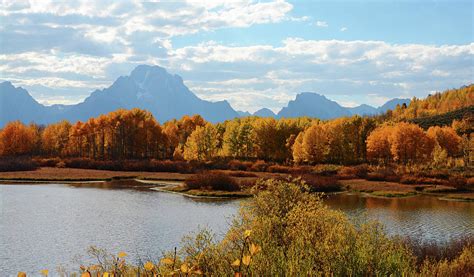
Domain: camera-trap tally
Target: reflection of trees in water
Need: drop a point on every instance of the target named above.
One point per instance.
(426, 217)
(416, 203)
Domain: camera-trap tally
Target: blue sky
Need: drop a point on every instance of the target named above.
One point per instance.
(253, 54)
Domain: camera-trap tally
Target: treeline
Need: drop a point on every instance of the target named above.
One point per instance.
(435, 104)
(464, 115)
(135, 134)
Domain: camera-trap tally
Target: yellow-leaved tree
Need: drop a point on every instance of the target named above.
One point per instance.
(201, 145)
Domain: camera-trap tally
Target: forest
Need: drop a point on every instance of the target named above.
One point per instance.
(136, 135)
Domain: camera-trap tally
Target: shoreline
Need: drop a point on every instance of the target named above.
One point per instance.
(172, 183)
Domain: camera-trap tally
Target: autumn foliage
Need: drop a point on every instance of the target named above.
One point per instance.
(135, 135)
(17, 139)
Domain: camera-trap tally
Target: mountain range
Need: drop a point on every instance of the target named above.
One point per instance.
(165, 95)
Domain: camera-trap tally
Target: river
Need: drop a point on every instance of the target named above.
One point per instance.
(44, 226)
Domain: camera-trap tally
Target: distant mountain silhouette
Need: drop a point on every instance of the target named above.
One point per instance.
(313, 105)
(165, 95)
(363, 109)
(316, 105)
(17, 104)
(243, 114)
(148, 87)
(264, 113)
(154, 89)
(392, 104)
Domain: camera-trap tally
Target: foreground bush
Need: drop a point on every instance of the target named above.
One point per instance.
(212, 181)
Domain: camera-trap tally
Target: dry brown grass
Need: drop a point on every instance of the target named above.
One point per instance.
(371, 186)
(467, 196)
(53, 173)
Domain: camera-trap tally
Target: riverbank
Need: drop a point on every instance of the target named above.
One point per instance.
(174, 182)
(394, 189)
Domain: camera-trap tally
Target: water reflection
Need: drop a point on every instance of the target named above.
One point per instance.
(43, 226)
(421, 216)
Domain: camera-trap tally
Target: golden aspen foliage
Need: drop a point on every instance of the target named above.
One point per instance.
(149, 266)
(55, 138)
(315, 144)
(378, 144)
(446, 138)
(410, 144)
(18, 139)
(201, 144)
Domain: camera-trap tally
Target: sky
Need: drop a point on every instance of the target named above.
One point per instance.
(253, 54)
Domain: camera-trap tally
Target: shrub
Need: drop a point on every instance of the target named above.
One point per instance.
(435, 251)
(238, 165)
(212, 181)
(298, 236)
(241, 174)
(17, 164)
(458, 182)
(301, 169)
(47, 162)
(172, 166)
(383, 174)
(463, 265)
(322, 183)
(279, 169)
(326, 169)
(131, 165)
(247, 183)
(259, 166)
(352, 172)
(414, 180)
(470, 183)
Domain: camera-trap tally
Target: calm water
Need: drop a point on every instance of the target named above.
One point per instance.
(43, 226)
(423, 217)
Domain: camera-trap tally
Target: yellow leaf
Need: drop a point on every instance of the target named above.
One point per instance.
(149, 266)
(106, 274)
(246, 260)
(247, 233)
(236, 263)
(184, 268)
(254, 249)
(167, 261)
(93, 268)
(21, 274)
(122, 254)
(44, 272)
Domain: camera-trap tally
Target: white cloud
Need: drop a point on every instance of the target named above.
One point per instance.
(250, 76)
(72, 48)
(321, 24)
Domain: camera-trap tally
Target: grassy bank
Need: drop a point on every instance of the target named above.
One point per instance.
(319, 178)
(78, 174)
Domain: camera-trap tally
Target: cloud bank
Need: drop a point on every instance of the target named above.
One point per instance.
(61, 51)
